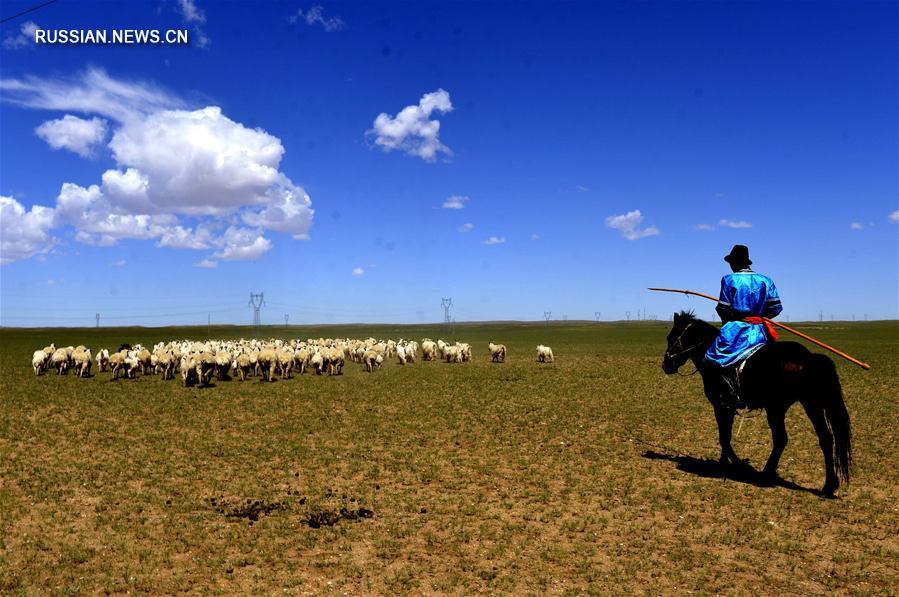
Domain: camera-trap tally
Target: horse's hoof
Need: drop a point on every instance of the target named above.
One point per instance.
(830, 488)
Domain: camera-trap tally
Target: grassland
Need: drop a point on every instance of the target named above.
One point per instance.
(589, 475)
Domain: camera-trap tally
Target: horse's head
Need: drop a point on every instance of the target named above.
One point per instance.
(684, 339)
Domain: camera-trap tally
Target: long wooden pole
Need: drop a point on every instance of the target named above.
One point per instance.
(778, 324)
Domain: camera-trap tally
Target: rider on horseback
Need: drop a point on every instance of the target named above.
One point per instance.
(745, 298)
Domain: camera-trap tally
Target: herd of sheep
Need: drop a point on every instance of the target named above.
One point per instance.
(198, 362)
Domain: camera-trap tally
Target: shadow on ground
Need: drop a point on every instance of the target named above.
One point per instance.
(713, 469)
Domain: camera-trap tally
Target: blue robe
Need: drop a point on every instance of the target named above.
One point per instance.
(743, 294)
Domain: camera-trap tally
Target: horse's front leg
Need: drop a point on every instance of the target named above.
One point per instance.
(725, 418)
(776, 418)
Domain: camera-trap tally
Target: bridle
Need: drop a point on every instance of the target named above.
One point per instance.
(677, 344)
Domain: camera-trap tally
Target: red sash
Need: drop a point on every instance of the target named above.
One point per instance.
(769, 329)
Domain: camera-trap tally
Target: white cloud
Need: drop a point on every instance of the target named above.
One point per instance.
(894, 217)
(629, 225)
(412, 130)
(89, 212)
(358, 271)
(582, 188)
(23, 39)
(179, 237)
(467, 227)
(91, 92)
(190, 13)
(495, 240)
(206, 264)
(203, 163)
(73, 133)
(455, 202)
(118, 263)
(239, 244)
(704, 227)
(180, 175)
(856, 226)
(535, 236)
(23, 234)
(289, 211)
(128, 190)
(316, 16)
(734, 223)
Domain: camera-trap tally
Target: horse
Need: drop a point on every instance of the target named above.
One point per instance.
(775, 377)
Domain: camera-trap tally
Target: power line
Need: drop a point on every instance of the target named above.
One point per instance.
(25, 12)
(547, 315)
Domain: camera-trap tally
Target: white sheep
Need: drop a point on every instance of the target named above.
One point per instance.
(372, 360)
(60, 360)
(242, 365)
(453, 354)
(428, 350)
(117, 363)
(102, 359)
(544, 354)
(497, 352)
(82, 359)
(317, 361)
(334, 361)
(39, 361)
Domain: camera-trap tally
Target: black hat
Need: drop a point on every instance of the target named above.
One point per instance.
(739, 255)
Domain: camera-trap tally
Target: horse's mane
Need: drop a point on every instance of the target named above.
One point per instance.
(690, 317)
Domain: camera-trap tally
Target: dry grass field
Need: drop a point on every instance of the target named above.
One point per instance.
(594, 474)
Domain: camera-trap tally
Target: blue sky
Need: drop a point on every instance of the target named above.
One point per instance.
(590, 150)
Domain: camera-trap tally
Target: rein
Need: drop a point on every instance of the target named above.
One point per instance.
(677, 343)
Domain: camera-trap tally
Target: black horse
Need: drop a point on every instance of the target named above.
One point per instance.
(776, 376)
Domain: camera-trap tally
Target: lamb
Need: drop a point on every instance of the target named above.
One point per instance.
(372, 360)
(132, 365)
(544, 354)
(285, 358)
(222, 365)
(60, 360)
(102, 359)
(188, 373)
(242, 365)
(39, 361)
(334, 361)
(301, 359)
(204, 363)
(165, 364)
(117, 363)
(265, 362)
(401, 354)
(145, 360)
(428, 350)
(498, 352)
(453, 354)
(316, 361)
(83, 359)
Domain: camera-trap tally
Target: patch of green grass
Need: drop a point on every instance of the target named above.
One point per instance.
(482, 477)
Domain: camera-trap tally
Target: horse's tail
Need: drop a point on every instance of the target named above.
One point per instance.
(834, 412)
